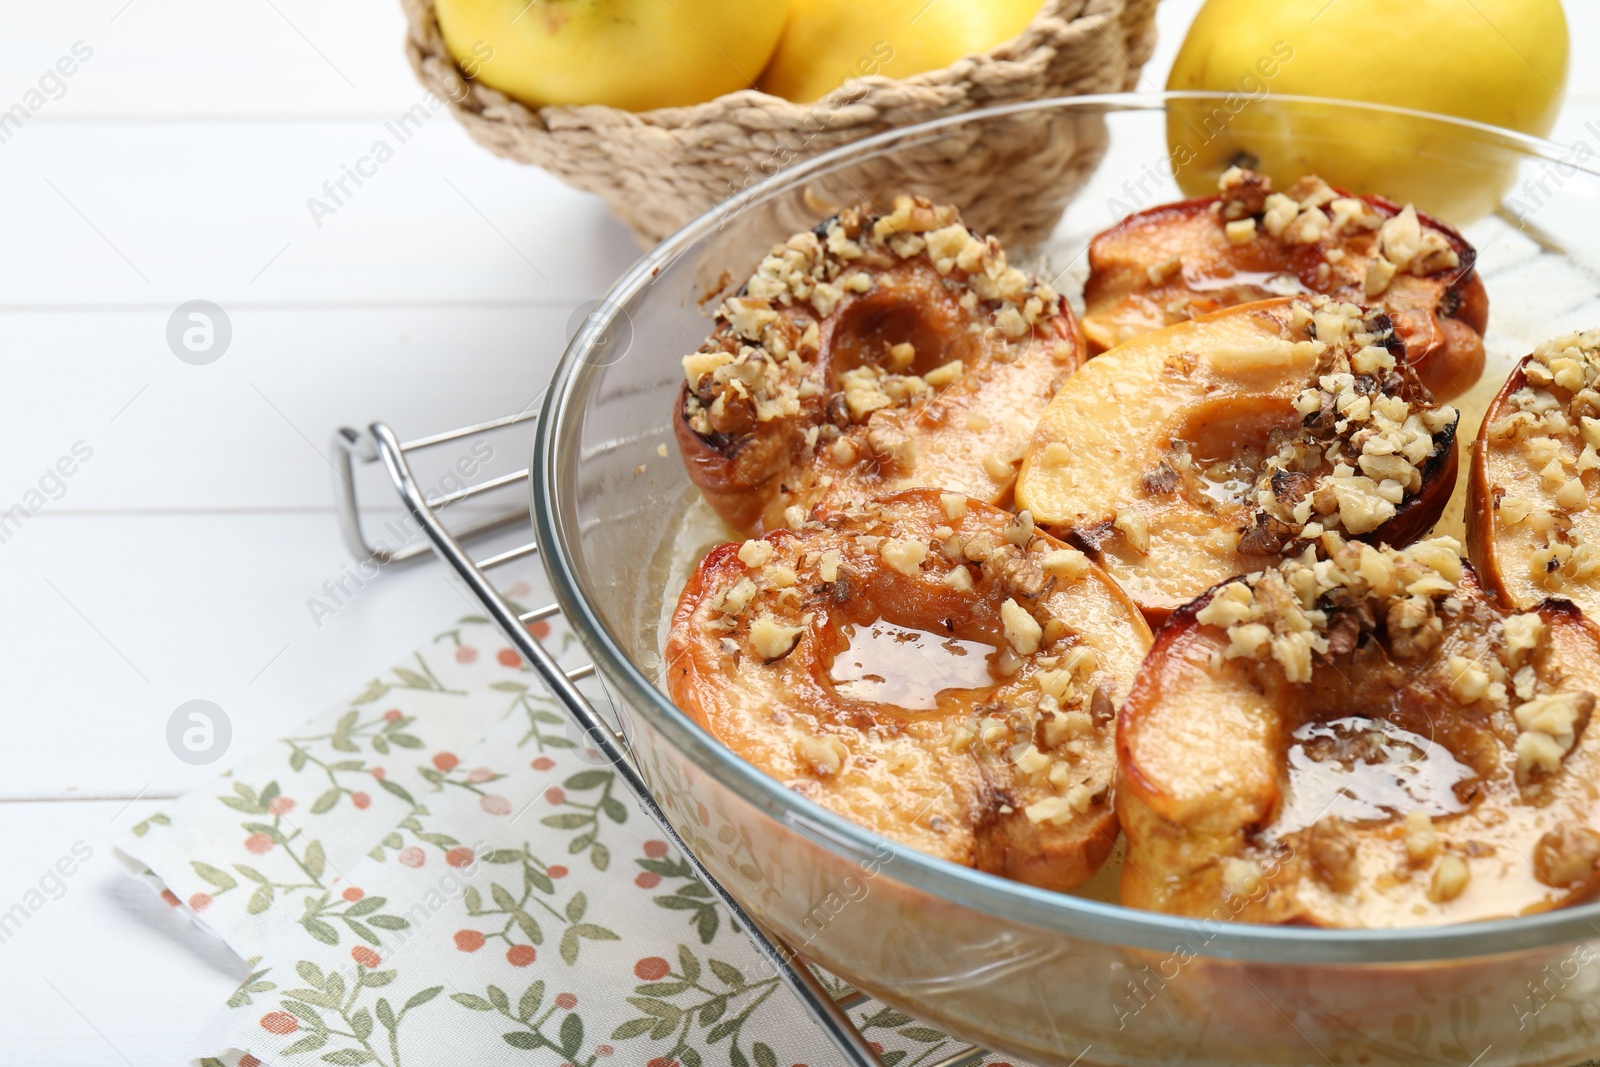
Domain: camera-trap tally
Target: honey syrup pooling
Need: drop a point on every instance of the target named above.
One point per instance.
(909, 668)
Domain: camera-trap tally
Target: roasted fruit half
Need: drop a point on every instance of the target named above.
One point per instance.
(1532, 529)
(927, 665)
(878, 353)
(1209, 449)
(1170, 263)
(1363, 740)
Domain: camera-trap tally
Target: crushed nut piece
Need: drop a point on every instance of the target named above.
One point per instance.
(755, 554)
(1566, 856)
(1449, 880)
(771, 639)
(1022, 630)
(825, 756)
(1422, 842)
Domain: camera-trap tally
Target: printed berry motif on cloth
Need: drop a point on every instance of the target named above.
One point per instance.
(436, 873)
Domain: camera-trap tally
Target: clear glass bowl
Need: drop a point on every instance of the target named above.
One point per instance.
(1055, 978)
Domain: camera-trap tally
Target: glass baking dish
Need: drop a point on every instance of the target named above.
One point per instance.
(1055, 978)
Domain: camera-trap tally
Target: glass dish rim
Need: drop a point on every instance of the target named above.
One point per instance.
(1062, 913)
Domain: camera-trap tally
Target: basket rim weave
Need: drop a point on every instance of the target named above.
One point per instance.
(973, 80)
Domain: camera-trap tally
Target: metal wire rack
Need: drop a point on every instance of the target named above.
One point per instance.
(379, 444)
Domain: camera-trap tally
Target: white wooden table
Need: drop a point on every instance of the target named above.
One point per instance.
(177, 562)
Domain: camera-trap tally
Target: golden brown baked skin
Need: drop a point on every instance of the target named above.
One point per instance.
(1364, 741)
(1177, 261)
(926, 665)
(1531, 529)
(876, 354)
(1215, 447)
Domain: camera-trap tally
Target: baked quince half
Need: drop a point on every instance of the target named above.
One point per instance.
(1177, 261)
(1216, 447)
(878, 353)
(1532, 527)
(927, 665)
(1363, 740)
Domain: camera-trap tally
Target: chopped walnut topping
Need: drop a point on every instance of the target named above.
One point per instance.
(759, 365)
(755, 554)
(1332, 851)
(1133, 525)
(1244, 193)
(1020, 533)
(1549, 726)
(1449, 880)
(959, 579)
(771, 639)
(1566, 856)
(1368, 432)
(1470, 683)
(1422, 842)
(1240, 231)
(828, 565)
(1022, 630)
(825, 756)
(1283, 613)
(1001, 464)
(1242, 877)
(905, 556)
(1380, 272)
(738, 597)
(1553, 423)
(1523, 633)
(1066, 563)
(1300, 216)
(1053, 810)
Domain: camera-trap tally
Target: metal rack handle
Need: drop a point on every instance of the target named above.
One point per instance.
(381, 444)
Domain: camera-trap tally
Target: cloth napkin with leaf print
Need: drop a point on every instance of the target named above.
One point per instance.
(435, 873)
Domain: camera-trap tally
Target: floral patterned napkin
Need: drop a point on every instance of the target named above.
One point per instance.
(434, 873)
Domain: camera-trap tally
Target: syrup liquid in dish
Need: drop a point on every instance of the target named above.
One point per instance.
(1367, 770)
(1278, 283)
(909, 668)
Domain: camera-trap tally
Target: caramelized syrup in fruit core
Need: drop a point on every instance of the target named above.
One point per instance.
(1225, 485)
(1367, 770)
(1278, 283)
(908, 668)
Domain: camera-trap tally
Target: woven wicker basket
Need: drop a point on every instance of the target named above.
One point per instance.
(658, 169)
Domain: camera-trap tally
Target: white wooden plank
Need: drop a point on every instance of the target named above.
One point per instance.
(1172, 22)
(185, 57)
(129, 616)
(1583, 73)
(103, 972)
(252, 429)
(219, 211)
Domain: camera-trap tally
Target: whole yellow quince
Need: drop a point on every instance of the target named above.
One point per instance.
(630, 54)
(1500, 62)
(827, 42)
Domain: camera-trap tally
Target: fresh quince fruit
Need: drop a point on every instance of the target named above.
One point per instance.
(828, 42)
(1500, 62)
(630, 54)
